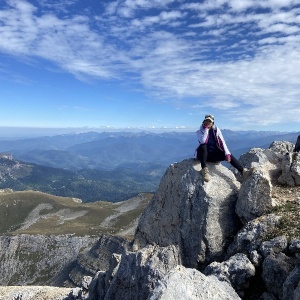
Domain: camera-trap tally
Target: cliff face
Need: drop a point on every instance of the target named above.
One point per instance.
(35, 260)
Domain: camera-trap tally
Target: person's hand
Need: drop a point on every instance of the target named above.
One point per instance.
(228, 157)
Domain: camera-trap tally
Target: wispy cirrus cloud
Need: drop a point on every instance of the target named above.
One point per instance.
(240, 57)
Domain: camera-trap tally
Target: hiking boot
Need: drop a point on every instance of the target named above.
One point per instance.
(205, 174)
(247, 172)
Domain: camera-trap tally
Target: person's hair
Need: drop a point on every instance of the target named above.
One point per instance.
(210, 117)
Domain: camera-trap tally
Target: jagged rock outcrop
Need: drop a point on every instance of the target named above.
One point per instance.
(197, 217)
(276, 165)
(250, 237)
(88, 263)
(135, 274)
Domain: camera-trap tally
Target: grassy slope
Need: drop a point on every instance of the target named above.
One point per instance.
(34, 212)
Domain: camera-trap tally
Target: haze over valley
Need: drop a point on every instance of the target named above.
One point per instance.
(108, 166)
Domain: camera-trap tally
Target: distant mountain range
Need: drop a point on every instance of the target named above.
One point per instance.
(89, 185)
(111, 166)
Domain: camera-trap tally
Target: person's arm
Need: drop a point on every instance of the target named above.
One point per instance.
(202, 134)
(223, 144)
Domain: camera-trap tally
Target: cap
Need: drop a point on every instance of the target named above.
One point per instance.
(209, 117)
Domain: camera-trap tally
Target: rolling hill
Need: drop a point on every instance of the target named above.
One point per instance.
(31, 212)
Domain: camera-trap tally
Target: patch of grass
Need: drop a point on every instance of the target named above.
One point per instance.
(289, 224)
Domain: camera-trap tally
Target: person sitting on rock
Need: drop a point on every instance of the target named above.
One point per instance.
(213, 148)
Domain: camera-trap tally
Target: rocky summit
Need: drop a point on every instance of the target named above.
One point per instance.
(228, 238)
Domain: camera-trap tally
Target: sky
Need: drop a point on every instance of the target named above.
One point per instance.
(150, 63)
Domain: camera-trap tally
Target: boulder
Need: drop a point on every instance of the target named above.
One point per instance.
(282, 147)
(295, 167)
(294, 246)
(136, 274)
(273, 166)
(267, 161)
(276, 269)
(289, 163)
(276, 245)
(237, 271)
(250, 237)
(291, 286)
(286, 176)
(199, 217)
(190, 284)
(255, 196)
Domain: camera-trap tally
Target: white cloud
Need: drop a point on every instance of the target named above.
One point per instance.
(224, 55)
(68, 42)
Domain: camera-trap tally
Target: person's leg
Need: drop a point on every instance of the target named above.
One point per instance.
(216, 156)
(236, 164)
(202, 155)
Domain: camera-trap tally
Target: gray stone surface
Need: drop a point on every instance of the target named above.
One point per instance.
(276, 245)
(38, 259)
(250, 237)
(97, 257)
(198, 217)
(276, 269)
(291, 286)
(190, 284)
(237, 271)
(138, 272)
(255, 196)
(295, 168)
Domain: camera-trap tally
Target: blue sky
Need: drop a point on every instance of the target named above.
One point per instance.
(150, 63)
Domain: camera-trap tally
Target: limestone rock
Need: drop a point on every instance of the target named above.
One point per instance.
(276, 269)
(294, 246)
(295, 167)
(137, 273)
(237, 271)
(291, 286)
(282, 147)
(290, 163)
(267, 161)
(255, 197)
(256, 258)
(34, 293)
(97, 257)
(276, 245)
(250, 237)
(286, 176)
(198, 217)
(190, 284)
(38, 259)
